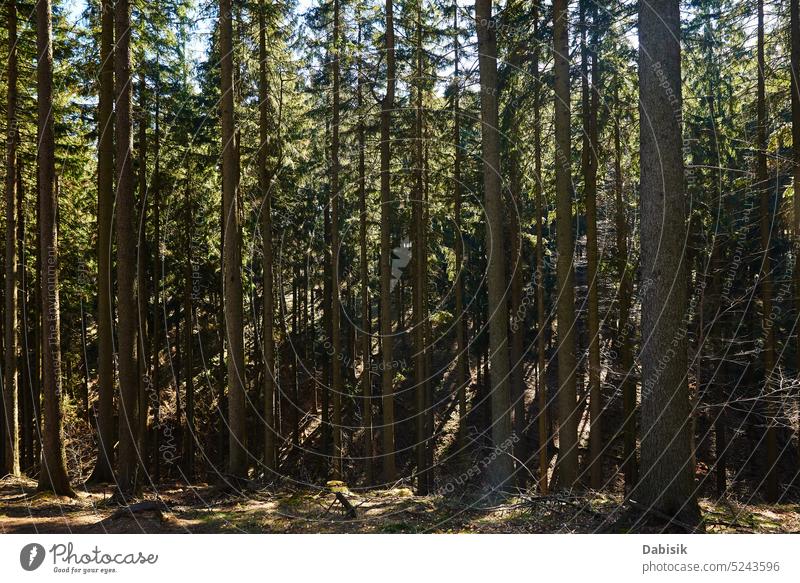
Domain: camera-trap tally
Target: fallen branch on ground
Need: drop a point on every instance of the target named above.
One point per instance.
(156, 506)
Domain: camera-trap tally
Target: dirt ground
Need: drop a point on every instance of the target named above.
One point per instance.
(206, 508)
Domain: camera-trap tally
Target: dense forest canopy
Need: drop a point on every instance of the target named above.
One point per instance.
(472, 249)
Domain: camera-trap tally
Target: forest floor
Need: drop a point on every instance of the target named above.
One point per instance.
(206, 508)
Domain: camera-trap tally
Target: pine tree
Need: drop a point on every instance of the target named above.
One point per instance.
(105, 203)
(765, 233)
(541, 320)
(10, 421)
(232, 258)
(270, 462)
(53, 473)
(567, 400)
(129, 425)
(366, 318)
(794, 9)
(462, 355)
(589, 99)
(337, 386)
(497, 313)
(387, 372)
(667, 483)
(420, 282)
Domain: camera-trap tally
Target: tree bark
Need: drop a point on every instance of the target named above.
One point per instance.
(158, 336)
(26, 379)
(10, 462)
(589, 168)
(419, 272)
(462, 355)
(667, 483)
(270, 463)
(541, 320)
(105, 203)
(142, 285)
(624, 328)
(794, 9)
(188, 331)
(337, 387)
(765, 279)
(517, 309)
(327, 303)
(387, 374)
(497, 313)
(232, 255)
(129, 424)
(53, 474)
(567, 405)
(36, 301)
(366, 319)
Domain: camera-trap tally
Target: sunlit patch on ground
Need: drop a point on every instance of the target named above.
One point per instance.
(205, 508)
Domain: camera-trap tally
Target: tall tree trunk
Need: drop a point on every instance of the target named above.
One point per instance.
(37, 377)
(26, 372)
(129, 426)
(709, 310)
(589, 168)
(567, 394)
(188, 331)
(292, 361)
(541, 320)
(366, 320)
(428, 334)
(419, 274)
(270, 463)
(10, 462)
(517, 309)
(53, 474)
(794, 9)
(143, 349)
(497, 314)
(232, 256)
(84, 366)
(337, 387)
(462, 354)
(624, 328)
(667, 482)
(327, 303)
(765, 228)
(158, 308)
(154, 398)
(387, 373)
(105, 203)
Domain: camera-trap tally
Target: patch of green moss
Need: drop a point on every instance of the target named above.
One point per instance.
(397, 528)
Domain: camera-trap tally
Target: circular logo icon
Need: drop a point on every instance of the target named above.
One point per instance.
(31, 556)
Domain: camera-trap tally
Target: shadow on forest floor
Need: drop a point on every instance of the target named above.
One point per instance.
(205, 508)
